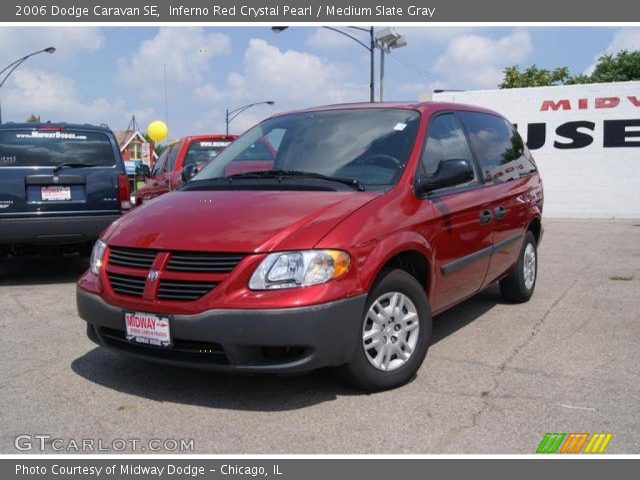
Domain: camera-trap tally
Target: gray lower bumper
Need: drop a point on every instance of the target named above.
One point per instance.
(272, 341)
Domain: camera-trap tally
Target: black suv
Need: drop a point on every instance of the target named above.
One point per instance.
(60, 184)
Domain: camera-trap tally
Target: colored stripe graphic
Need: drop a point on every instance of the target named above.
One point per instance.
(598, 443)
(574, 442)
(550, 443)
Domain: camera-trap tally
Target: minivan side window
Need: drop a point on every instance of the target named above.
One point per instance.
(171, 158)
(445, 141)
(500, 149)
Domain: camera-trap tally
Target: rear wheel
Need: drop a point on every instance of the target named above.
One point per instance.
(519, 285)
(394, 334)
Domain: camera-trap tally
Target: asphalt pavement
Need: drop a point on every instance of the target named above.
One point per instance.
(496, 379)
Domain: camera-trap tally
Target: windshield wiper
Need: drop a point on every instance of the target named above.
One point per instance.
(352, 182)
(73, 165)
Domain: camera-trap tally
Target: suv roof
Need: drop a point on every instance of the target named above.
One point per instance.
(62, 125)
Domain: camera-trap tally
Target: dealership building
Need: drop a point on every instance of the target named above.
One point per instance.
(585, 139)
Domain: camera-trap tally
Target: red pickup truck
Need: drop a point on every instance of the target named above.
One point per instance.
(174, 163)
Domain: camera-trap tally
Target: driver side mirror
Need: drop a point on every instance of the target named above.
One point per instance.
(188, 172)
(450, 173)
(143, 171)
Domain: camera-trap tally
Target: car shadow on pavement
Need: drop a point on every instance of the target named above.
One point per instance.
(267, 393)
(42, 269)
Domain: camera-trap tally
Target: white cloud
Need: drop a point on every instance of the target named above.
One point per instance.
(187, 52)
(476, 61)
(623, 39)
(433, 34)
(54, 97)
(325, 39)
(18, 41)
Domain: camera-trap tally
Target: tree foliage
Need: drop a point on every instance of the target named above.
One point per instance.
(33, 118)
(622, 67)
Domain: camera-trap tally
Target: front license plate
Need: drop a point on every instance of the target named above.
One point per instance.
(148, 329)
(54, 194)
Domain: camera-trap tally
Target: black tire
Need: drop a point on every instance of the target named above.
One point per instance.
(359, 371)
(513, 287)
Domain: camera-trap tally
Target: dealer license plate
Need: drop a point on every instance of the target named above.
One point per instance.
(55, 193)
(148, 329)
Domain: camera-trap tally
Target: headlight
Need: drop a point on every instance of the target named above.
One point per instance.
(299, 269)
(96, 256)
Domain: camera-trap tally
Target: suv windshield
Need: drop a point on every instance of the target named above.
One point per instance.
(50, 148)
(368, 146)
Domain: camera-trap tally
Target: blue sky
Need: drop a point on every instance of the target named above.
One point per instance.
(104, 75)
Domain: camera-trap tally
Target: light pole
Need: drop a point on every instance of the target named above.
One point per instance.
(12, 66)
(371, 48)
(387, 40)
(230, 115)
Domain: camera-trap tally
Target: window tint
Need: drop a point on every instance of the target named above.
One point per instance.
(31, 148)
(171, 158)
(256, 152)
(158, 166)
(445, 141)
(501, 152)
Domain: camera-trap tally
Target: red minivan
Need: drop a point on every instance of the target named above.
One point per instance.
(370, 220)
(172, 166)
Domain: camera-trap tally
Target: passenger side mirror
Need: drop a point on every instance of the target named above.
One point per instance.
(455, 171)
(143, 170)
(188, 172)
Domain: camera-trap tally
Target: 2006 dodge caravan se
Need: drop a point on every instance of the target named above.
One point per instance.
(367, 220)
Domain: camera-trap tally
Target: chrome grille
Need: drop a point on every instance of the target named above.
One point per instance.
(127, 284)
(132, 257)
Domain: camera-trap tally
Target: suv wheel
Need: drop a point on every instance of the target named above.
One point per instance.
(519, 285)
(394, 334)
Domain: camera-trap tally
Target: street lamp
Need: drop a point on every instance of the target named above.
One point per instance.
(234, 113)
(387, 40)
(12, 66)
(371, 49)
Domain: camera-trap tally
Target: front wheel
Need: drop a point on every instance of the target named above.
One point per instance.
(394, 334)
(519, 285)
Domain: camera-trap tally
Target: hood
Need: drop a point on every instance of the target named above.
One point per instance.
(235, 221)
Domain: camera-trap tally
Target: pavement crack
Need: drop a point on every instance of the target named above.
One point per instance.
(486, 395)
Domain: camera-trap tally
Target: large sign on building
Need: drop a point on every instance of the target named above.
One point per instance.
(585, 139)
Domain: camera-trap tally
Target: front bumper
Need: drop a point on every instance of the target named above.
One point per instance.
(41, 230)
(289, 340)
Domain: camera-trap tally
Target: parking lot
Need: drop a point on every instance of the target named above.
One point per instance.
(496, 379)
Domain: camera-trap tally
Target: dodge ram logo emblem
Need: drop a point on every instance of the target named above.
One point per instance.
(153, 275)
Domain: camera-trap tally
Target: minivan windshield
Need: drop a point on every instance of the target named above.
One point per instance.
(50, 148)
(368, 147)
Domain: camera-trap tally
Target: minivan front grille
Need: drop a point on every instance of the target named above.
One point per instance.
(130, 269)
(203, 262)
(182, 290)
(127, 284)
(132, 257)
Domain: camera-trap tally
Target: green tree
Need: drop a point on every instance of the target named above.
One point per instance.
(621, 67)
(533, 77)
(33, 118)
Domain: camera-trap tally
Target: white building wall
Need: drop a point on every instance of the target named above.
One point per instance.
(592, 181)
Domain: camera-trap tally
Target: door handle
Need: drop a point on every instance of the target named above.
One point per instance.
(155, 184)
(485, 216)
(500, 212)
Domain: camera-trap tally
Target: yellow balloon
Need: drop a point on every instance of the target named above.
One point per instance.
(157, 130)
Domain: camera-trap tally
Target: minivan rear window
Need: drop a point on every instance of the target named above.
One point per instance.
(48, 148)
